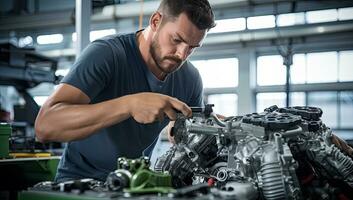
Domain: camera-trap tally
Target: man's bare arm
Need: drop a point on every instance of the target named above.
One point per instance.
(67, 114)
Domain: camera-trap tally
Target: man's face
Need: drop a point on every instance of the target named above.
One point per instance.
(173, 43)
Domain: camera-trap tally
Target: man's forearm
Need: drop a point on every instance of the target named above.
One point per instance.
(66, 122)
(66, 117)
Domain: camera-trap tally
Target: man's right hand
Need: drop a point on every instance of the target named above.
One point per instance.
(149, 107)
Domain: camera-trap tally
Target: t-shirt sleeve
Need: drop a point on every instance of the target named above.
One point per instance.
(92, 71)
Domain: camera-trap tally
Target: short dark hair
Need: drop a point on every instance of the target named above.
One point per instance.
(199, 12)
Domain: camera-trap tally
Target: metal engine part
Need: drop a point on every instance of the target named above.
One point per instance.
(282, 153)
(133, 176)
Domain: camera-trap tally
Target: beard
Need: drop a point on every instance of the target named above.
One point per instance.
(155, 52)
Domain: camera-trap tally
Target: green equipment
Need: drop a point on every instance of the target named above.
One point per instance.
(133, 176)
(5, 132)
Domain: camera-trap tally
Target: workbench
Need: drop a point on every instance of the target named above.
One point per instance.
(18, 174)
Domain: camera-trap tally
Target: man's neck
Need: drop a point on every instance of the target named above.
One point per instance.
(144, 40)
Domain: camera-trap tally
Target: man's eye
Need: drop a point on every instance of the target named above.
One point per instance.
(176, 40)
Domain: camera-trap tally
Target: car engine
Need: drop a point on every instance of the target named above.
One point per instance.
(282, 153)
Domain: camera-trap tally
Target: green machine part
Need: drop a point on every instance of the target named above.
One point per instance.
(133, 165)
(5, 132)
(146, 181)
(136, 177)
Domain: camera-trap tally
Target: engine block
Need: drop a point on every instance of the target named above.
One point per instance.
(282, 153)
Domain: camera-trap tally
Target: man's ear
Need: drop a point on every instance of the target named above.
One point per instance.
(155, 20)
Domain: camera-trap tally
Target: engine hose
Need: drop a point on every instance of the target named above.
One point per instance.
(202, 130)
(272, 181)
(217, 120)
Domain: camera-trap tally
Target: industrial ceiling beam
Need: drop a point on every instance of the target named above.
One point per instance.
(279, 32)
(342, 86)
(240, 37)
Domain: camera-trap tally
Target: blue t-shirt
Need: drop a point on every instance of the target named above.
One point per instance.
(110, 68)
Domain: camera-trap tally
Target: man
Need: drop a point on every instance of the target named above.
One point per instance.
(114, 101)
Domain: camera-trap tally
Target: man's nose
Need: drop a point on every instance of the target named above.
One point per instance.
(182, 52)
